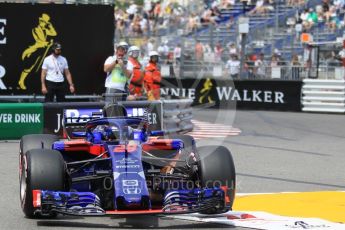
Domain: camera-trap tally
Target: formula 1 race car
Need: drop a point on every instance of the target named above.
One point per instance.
(115, 166)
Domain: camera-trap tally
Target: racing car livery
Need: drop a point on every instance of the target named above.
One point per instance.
(115, 166)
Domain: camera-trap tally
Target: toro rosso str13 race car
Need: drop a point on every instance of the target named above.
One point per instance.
(115, 166)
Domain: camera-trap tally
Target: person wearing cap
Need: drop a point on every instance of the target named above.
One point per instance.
(117, 75)
(54, 68)
(152, 77)
(135, 71)
(34, 55)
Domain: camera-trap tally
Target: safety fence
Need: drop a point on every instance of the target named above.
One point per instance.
(323, 96)
(18, 119)
(279, 70)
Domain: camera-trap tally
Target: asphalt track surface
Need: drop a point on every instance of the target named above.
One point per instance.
(275, 152)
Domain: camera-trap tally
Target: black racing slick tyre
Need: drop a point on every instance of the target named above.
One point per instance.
(37, 141)
(216, 168)
(40, 169)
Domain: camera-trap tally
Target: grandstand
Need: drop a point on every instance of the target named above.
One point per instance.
(272, 30)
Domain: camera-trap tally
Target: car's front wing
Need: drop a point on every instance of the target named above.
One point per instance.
(88, 204)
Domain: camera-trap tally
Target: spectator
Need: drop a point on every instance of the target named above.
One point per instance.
(132, 10)
(208, 53)
(150, 45)
(325, 6)
(261, 7)
(312, 19)
(230, 23)
(233, 66)
(143, 59)
(330, 14)
(339, 5)
(120, 28)
(218, 51)
(226, 4)
(233, 49)
(199, 51)
(207, 18)
(52, 76)
(304, 17)
(308, 56)
(144, 25)
(249, 65)
(163, 50)
(333, 19)
(295, 67)
(171, 62)
(177, 54)
(135, 26)
(260, 66)
(192, 24)
(274, 60)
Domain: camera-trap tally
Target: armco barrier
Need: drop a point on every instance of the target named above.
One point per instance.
(323, 96)
(177, 115)
(152, 110)
(18, 119)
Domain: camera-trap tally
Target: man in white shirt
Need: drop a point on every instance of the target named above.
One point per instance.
(233, 66)
(117, 75)
(54, 68)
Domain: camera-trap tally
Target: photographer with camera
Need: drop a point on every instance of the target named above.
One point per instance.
(117, 75)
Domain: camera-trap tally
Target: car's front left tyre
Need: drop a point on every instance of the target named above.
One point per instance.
(40, 169)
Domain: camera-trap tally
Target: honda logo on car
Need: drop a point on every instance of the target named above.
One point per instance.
(20, 118)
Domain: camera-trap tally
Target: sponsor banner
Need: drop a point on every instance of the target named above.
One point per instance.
(152, 111)
(18, 119)
(53, 113)
(248, 94)
(263, 220)
(26, 40)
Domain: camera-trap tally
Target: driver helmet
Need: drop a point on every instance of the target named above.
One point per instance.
(111, 133)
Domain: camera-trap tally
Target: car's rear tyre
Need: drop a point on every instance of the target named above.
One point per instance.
(37, 141)
(40, 169)
(216, 168)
